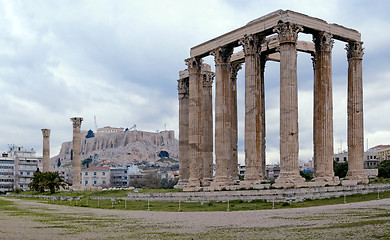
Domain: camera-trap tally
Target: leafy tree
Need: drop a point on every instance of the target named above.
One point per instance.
(340, 169)
(384, 169)
(86, 162)
(36, 183)
(47, 180)
(53, 181)
(90, 134)
(168, 183)
(307, 175)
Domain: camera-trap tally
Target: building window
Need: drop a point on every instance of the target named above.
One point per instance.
(94, 182)
(104, 173)
(94, 173)
(86, 183)
(21, 173)
(86, 173)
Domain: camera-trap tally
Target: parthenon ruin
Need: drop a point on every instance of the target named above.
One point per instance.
(273, 37)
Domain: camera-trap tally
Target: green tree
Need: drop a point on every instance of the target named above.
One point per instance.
(384, 169)
(53, 181)
(47, 180)
(36, 183)
(307, 175)
(340, 169)
(90, 134)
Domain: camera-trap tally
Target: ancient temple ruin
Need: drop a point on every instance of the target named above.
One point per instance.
(273, 37)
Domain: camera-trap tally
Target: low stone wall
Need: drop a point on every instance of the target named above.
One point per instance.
(277, 195)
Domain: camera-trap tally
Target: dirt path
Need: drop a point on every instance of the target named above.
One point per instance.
(32, 220)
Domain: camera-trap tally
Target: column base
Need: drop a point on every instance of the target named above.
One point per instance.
(329, 180)
(220, 183)
(290, 180)
(181, 184)
(206, 182)
(359, 176)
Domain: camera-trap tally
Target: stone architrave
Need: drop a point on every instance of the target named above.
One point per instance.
(253, 109)
(207, 128)
(195, 124)
(76, 162)
(289, 146)
(234, 68)
(223, 118)
(323, 110)
(355, 113)
(184, 164)
(46, 150)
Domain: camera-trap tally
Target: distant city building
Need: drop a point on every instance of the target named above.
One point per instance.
(17, 167)
(119, 177)
(371, 156)
(95, 176)
(384, 154)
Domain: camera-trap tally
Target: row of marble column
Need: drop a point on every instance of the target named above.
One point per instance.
(196, 126)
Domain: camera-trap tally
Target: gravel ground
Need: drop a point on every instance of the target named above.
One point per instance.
(33, 220)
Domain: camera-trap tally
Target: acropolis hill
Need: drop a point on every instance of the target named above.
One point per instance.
(118, 148)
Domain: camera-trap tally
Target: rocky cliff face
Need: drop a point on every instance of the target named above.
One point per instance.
(122, 148)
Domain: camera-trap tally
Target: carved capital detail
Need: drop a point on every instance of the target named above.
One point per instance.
(251, 44)
(323, 42)
(287, 32)
(45, 132)
(183, 87)
(76, 121)
(355, 50)
(207, 80)
(222, 55)
(194, 65)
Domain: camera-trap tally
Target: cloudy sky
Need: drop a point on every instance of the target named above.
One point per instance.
(119, 61)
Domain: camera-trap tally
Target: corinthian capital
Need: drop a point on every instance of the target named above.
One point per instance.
(222, 55)
(207, 80)
(45, 132)
(287, 32)
(194, 64)
(323, 42)
(355, 50)
(76, 121)
(251, 44)
(183, 86)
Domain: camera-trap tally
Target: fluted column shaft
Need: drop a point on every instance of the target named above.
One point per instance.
(184, 163)
(323, 108)
(195, 122)
(76, 162)
(234, 68)
(355, 113)
(223, 119)
(207, 116)
(46, 150)
(289, 146)
(253, 109)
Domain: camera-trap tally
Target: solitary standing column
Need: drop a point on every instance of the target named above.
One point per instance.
(184, 164)
(207, 116)
(253, 110)
(263, 130)
(234, 68)
(195, 124)
(289, 172)
(76, 162)
(46, 150)
(223, 118)
(355, 113)
(323, 110)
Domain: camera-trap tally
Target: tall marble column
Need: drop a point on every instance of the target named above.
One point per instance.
(355, 113)
(46, 150)
(323, 110)
(184, 164)
(289, 146)
(263, 129)
(234, 68)
(76, 162)
(253, 110)
(195, 124)
(207, 128)
(223, 119)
